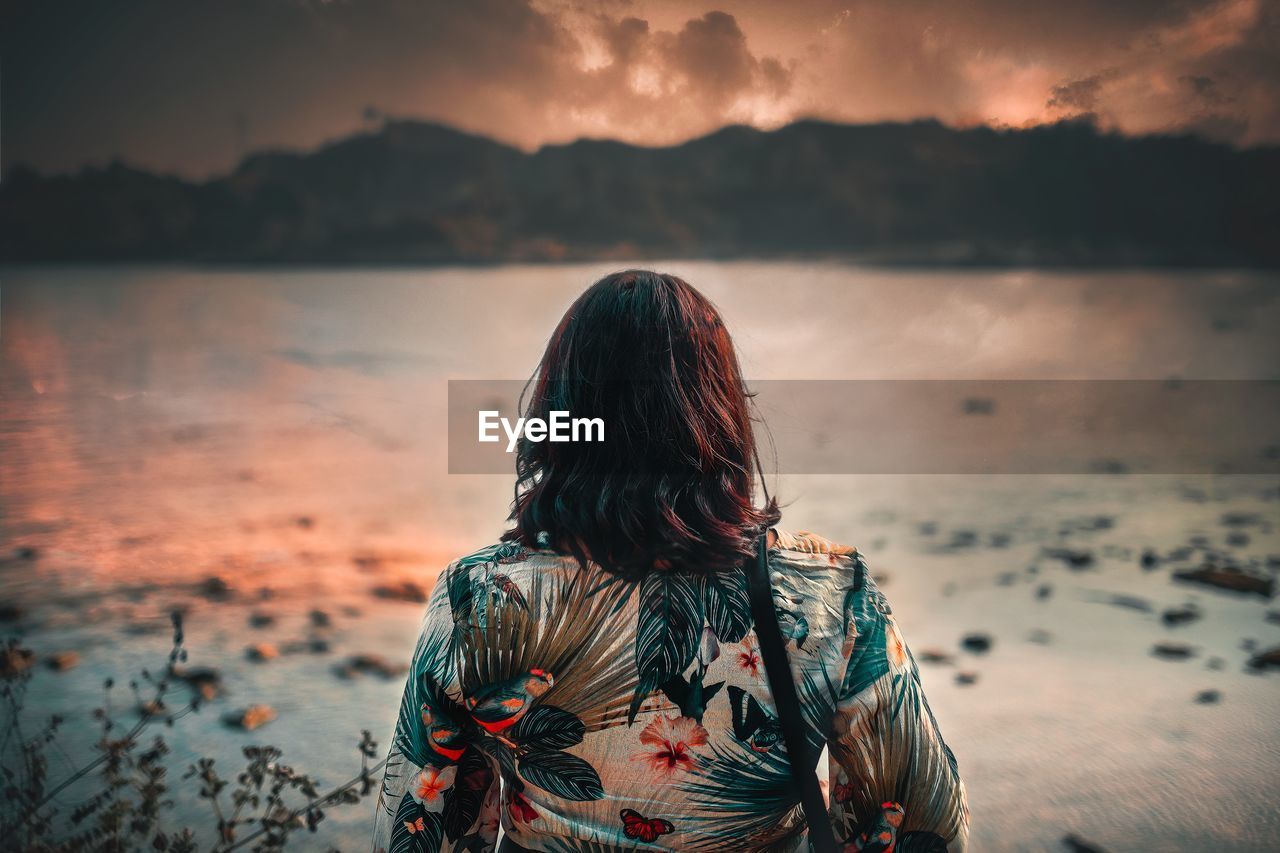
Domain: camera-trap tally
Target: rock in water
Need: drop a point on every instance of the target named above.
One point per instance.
(253, 717)
(262, 652)
(1228, 578)
(932, 655)
(1175, 616)
(1131, 602)
(371, 665)
(1172, 651)
(63, 661)
(1076, 844)
(1074, 560)
(258, 619)
(1266, 660)
(205, 680)
(15, 660)
(403, 591)
(214, 588)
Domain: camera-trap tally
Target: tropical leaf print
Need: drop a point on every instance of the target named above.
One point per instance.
(728, 608)
(415, 830)
(870, 658)
(887, 740)
(574, 630)
(469, 589)
(462, 802)
(921, 842)
(502, 553)
(562, 774)
(750, 799)
(668, 629)
(548, 727)
(505, 759)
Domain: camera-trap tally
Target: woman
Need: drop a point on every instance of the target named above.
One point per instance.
(595, 681)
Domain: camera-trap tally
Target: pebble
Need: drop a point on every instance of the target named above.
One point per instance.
(253, 717)
(1172, 651)
(369, 664)
(977, 643)
(214, 588)
(1075, 560)
(966, 678)
(934, 655)
(1228, 578)
(205, 680)
(259, 619)
(402, 591)
(1208, 697)
(1076, 844)
(262, 652)
(15, 660)
(1132, 602)
(1175, 616)
(1266, 660)
(63, 661)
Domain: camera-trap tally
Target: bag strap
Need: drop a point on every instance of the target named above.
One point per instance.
(778, 669)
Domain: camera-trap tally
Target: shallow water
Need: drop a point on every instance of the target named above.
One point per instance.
(283, 430)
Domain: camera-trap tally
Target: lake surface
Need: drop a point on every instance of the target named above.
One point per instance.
(283, 430)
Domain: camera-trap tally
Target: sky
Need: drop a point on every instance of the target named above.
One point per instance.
(191, 86)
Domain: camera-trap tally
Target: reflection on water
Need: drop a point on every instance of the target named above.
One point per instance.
(284, 431)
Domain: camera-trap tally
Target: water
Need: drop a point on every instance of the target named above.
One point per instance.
(283, 430)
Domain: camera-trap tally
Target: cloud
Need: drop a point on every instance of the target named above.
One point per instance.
(192, 86)
(1078, 95)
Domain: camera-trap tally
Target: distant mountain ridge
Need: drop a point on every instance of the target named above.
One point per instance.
(916, 192)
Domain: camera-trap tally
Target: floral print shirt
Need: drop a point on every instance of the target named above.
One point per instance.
(583, 712)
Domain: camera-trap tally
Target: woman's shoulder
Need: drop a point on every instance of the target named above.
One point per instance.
(811, 559)
(805, 542)
(490, 556)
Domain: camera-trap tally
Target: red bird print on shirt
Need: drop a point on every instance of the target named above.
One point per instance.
(497, 707)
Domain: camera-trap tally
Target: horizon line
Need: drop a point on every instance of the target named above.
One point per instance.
(1084, 121)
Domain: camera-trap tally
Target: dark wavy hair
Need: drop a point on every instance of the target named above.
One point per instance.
(672, 484)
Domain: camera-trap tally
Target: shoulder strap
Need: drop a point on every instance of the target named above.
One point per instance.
(778, 669)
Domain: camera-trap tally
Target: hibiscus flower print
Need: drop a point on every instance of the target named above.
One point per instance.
(670, 743)
(749, 657)
(430, 784)
(895, 647)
